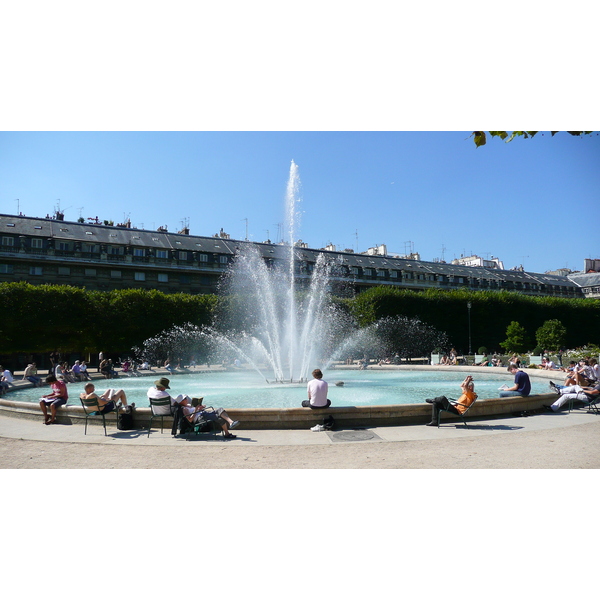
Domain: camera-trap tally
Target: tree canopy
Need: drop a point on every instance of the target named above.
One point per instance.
(480, 137)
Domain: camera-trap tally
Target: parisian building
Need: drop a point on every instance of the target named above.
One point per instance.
(106, 257)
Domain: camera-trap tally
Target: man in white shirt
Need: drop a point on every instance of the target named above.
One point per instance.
(158, 392)
(317, 392)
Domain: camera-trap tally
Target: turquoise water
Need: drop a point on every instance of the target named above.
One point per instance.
(247, 390)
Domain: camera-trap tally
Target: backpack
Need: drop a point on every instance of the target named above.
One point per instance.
(125, 421)
(328, 423)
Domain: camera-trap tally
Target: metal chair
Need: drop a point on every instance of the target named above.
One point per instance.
(156, 403)
(590, 401)
(91, 408)
(454, 403)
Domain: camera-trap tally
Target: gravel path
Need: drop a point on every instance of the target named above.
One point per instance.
(573, 447)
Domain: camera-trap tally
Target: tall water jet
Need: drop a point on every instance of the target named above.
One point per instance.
(278, 323)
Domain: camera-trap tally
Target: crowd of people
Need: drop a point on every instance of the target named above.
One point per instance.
(581, 384)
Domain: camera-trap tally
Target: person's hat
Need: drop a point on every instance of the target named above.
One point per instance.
(163, 382)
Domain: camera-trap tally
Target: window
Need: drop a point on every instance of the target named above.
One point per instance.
(37, 243)
(223, 259)
(140, 276)
(90, 272)
(393, 273)
(163, 278)
(8, 241)
(35, 270)
(355, 271)
(63, 246)
(6, 268)
(183, 255)
(204, 258)
(64, 270)
(162, 254)
(118, 250)
(115, 274)
(91, 248)
(139, 252)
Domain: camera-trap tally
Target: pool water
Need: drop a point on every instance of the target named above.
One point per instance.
(242, 389)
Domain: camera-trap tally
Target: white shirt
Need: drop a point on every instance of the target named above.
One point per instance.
(8, 376)
(317, 389)
(156, 394)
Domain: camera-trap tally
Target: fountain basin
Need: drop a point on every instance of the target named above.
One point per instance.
(304, 418)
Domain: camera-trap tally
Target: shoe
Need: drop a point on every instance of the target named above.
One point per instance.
(432, 424)
(317, 428)
(429, 400)
(234, 424)
(548, 407)
(554, 387)
(132, 405)
(229, 436)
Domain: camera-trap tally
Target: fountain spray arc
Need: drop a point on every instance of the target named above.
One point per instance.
(292, 324)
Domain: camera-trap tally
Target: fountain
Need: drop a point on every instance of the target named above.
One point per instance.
(280, 321)
(277, 317)
(292, 328)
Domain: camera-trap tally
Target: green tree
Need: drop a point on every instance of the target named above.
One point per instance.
(551, 335)
(516, 338)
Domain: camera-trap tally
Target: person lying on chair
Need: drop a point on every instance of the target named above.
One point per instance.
(584, 394)
(459, 406)
(200, 412)
(107, 401)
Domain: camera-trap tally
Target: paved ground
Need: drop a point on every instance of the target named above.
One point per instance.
(540, 441)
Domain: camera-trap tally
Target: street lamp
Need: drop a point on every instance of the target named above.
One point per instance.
(469, 310)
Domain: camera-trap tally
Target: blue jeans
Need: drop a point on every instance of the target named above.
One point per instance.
(507, 394)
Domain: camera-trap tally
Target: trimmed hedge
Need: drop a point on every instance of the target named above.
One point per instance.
(491, 313)
(44, 318)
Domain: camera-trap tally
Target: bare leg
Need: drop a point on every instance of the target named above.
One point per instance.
(118, 395)
(53, 413)
(44, 410)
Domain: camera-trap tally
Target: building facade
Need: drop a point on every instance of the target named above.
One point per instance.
(103, 257)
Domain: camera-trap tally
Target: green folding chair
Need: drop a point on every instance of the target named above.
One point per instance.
(156, 403)
(455, 402)
(91, 408)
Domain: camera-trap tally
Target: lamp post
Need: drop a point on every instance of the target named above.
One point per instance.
(469, 312)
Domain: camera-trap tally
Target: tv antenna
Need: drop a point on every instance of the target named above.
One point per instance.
(246, 219)
(80, 209)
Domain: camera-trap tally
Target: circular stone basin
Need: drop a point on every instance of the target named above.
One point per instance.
(245, 389)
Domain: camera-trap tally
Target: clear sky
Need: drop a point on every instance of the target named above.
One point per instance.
(431, 192)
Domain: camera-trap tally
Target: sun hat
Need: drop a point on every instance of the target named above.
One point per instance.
(163, 382)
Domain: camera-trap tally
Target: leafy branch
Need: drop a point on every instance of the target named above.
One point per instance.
(480, 137)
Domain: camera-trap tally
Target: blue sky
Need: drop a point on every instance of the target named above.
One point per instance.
(433, 192)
